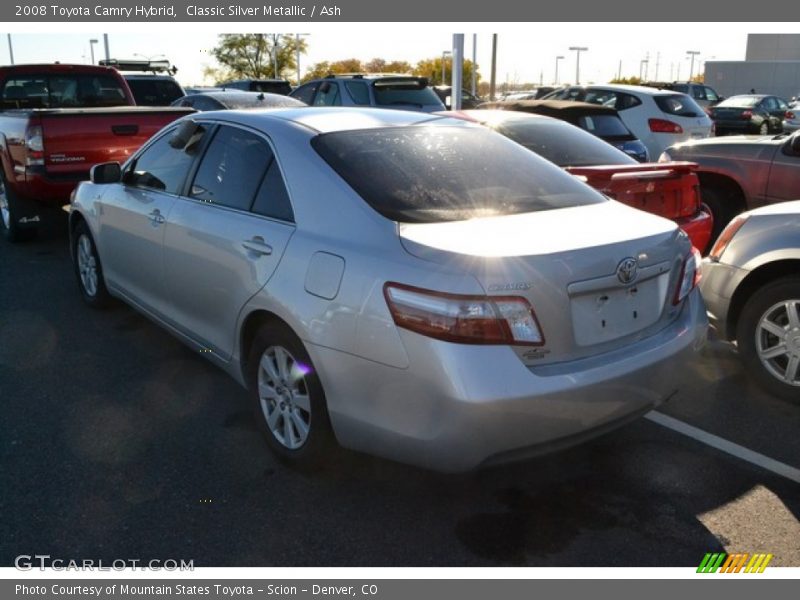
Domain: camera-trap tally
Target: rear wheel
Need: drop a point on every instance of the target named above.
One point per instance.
(764, 128)
(288, 399)
(9, 215)
(768, 335)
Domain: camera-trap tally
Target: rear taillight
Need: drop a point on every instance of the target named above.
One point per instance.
(747, 114)
(664, 126)
(789, 116)
(464, 319)
(726, 236)
(34, 146)
(690, 276)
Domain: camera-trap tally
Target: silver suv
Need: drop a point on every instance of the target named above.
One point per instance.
(404, 92)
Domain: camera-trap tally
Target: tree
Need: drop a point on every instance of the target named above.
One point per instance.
(432, 69)
(379, 65)
(699, 78)
(627, 80)
(254, 56)
(325, 68)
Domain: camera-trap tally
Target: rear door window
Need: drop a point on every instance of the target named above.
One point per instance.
(328, 95)
(231, 169)
(409, 93)
(358, 91)
(711, 95)
(272, 199)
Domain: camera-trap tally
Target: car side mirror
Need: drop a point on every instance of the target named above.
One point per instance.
(109, 172)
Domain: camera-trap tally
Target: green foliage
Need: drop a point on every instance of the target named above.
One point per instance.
(354, 65)
(253, 55)
(627, 80)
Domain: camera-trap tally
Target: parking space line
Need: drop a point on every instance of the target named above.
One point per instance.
(740, 452)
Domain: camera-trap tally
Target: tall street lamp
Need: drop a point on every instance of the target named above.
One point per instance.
(91, 48)
(692, 53)
(642, 63)
(578, 50)
(558, 58)
(444, 54)
(297, 37)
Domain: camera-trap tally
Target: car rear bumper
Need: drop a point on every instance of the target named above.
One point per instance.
(698, 227)
(457, 407)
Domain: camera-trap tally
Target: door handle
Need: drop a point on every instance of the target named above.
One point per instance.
(257, 246)
(155, 217)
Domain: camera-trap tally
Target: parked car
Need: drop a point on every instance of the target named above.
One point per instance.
(741, 173)
(602, 121)
(660, 118)
(56, 121)
(704, 95)
(751, 283)
(669, 190)
(404, 92)
(791, 119)
(270, 86)
(454, 302)
(226, 100)
(750, 113)
(532, 94)
(468, 99)
(151, 81)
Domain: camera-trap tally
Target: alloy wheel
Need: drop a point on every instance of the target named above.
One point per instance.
(4, 210)
(284, 397)
(87, 265)
(778, 341)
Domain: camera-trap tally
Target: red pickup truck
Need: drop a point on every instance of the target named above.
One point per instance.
(56, 122)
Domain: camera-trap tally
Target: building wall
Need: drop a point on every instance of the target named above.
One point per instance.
(773, 46)
(728, 78)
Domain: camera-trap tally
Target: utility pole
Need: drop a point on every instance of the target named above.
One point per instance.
(692, 53)
(10, 49)
(558, 58)
(658, 62)
(275, 55)
(578, 50)
(474, 65)
(647, 66)
(458, 71)
(297, 37)
(619, 70)
(105, 43)
(493, 79)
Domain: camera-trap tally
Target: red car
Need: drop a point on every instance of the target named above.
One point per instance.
(56, 122)
(670, 190)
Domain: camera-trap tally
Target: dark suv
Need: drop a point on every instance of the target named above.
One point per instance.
(404, 92)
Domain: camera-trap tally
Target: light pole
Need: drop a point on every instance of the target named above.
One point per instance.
(91, 48)
(474, 63)
(558, 58)
(444, 54)
(275, 38)
(10, 49)
(578, 50)
(297, 37)
(692, 53)
(642, 63)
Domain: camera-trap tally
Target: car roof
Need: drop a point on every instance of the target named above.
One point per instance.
(554, 107)
(332, 119)
(636, 89)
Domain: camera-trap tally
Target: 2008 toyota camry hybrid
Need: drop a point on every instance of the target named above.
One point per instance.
(415, 287)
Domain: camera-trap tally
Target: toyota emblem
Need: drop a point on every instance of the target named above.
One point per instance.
(626, 270)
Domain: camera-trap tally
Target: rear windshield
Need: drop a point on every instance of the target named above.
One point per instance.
(564, 144)
(605, 126)
(410, 93)
(679, 105)
(740, 102)
(430, 174)
(154, 92)
(62, 91)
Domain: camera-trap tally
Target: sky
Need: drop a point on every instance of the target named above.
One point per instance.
(526, 51)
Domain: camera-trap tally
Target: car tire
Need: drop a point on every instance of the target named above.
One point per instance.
(763, 129)
(770, 320)
(9, 215)
(88, 269)
(721, 206)
(288, 399)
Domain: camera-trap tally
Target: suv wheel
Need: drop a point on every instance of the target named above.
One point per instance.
(768, 335)
(9, 207)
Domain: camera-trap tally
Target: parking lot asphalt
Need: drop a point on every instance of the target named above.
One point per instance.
(116, 441)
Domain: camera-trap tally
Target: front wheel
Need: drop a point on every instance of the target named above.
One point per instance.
(722, 209)
(88, 269)
(288, 399)
(768, 335)
(764, 128)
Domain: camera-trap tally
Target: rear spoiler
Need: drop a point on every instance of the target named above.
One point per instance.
(599, 175)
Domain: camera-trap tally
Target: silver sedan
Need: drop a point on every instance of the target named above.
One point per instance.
(415, 287)
(751, 283)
